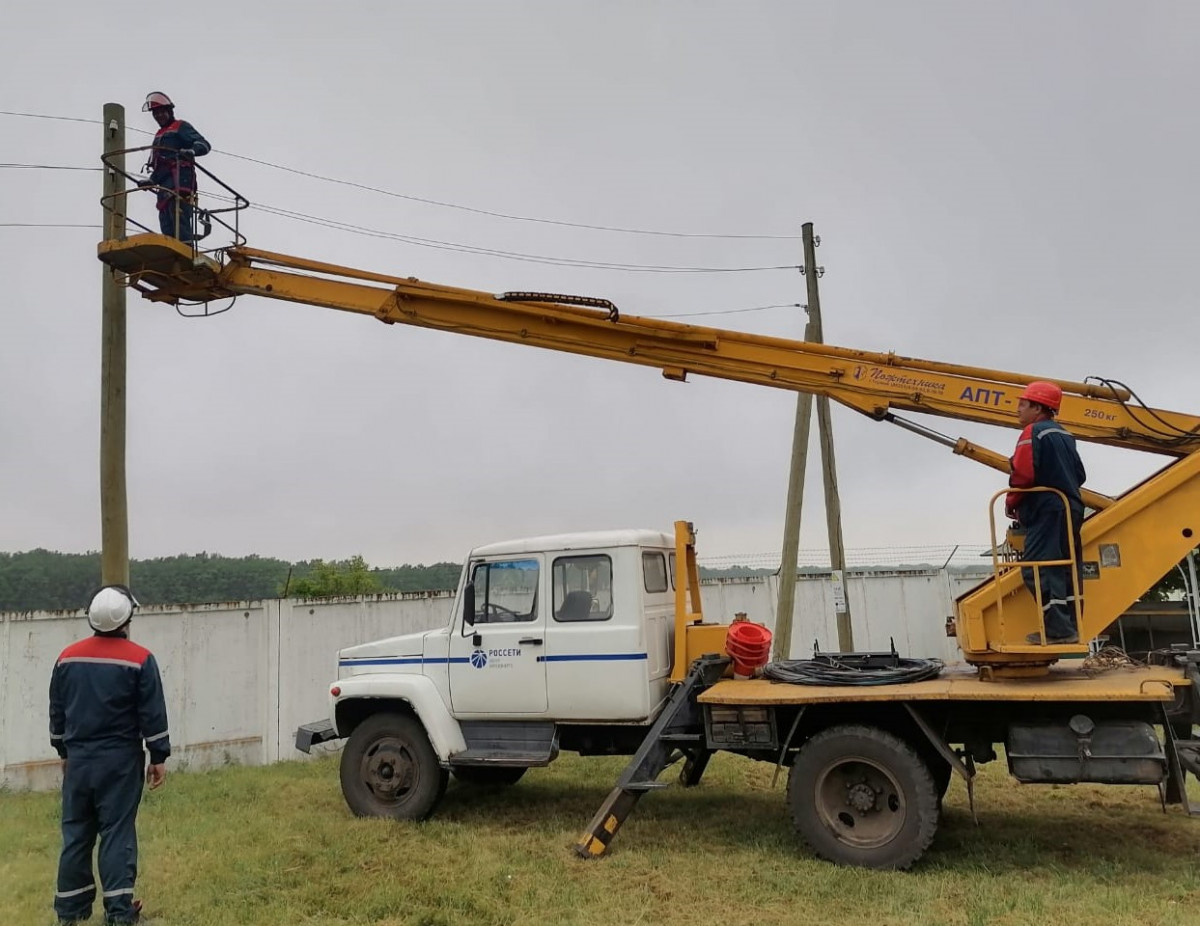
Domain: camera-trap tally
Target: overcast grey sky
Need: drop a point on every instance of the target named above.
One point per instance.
(1010, 185)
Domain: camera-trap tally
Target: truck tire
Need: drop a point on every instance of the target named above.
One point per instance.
(488, 774)
(862, 796)
(942, 774)
(390, 770)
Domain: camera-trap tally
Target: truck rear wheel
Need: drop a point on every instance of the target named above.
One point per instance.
(488, 774)
(862, 796)
(389, 769)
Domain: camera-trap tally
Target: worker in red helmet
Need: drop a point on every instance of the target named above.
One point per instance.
(172, 167)
(1046, 457)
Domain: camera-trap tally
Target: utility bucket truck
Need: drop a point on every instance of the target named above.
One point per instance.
(596, 643)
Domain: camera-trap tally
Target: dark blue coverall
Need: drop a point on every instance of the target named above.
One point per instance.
(1046, 456)
(106, 699)
(176, 175)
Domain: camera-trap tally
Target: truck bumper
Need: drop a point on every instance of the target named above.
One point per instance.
(310, 734)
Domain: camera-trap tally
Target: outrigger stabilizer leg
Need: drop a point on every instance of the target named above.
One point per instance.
(678, 731)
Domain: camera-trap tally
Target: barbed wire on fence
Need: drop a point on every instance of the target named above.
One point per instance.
(936, 556)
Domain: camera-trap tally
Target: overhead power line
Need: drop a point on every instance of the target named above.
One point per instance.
(47, 167)
(6, 112)
(443, 203)
(437, 244)
(756, 308)
(504, 215)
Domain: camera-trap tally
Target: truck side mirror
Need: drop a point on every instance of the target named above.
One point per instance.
(469, 603)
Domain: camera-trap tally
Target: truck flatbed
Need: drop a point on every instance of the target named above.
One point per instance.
(1062, 683)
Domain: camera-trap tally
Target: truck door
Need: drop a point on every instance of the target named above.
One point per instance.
(496, 666)
(596, 658)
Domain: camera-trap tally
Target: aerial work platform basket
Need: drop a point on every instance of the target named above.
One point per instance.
(164, 269)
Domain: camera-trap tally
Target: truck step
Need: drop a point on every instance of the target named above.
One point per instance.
(508, 743)
(483, 757)
(310, 734)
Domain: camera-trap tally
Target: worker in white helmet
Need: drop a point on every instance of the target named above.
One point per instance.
(106, 710)
(172, 167)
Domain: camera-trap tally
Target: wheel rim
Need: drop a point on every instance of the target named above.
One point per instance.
(860, 801)
(390, 770)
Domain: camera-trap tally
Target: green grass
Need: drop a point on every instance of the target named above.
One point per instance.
(277, 846)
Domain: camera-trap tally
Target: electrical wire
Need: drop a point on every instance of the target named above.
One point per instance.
(852, 669)
(8, 112)
(506, 215)
(47, 167)
(756, 308)
(440, 245)
(443, 203)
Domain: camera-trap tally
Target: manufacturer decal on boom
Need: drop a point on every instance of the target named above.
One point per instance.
(983, 396)
(881, 377)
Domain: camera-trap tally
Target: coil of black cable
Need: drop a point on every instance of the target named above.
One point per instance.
(832, 670)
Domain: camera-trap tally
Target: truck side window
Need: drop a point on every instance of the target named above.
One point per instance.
(654, 572)
(505, 591)
(671, 569)
(582, 588)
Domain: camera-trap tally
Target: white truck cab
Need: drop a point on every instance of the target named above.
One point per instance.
(555, 642)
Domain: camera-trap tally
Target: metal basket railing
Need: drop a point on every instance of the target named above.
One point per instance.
(210, 210)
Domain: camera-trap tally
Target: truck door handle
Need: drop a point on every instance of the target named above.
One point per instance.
(530, 641)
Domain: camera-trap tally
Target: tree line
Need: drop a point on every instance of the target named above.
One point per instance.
(45, 580)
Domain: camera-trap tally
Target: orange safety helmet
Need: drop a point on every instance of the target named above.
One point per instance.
(157, 100)
(1043, 393)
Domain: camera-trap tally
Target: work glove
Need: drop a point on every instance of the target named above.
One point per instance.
(187, 152)
(142, 184)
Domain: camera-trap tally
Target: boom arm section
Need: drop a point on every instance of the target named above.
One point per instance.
(870, 382)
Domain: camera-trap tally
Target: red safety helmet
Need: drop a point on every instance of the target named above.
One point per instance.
(157, 100)
(1043, 393)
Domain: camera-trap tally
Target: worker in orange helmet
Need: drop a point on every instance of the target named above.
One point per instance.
(172, 167)
(1046, 457)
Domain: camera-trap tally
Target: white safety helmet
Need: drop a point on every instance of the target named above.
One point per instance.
(111, 608)
(157, 100)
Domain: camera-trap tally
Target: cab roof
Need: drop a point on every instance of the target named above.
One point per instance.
(584, 540)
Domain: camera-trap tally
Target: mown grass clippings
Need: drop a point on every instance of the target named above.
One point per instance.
(277, 845)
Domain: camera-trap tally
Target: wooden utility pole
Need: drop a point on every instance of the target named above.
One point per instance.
(786, 606)
(833, 502)
(114, 513)
(833, 506)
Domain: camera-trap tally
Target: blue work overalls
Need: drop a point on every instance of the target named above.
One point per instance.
(106, 700)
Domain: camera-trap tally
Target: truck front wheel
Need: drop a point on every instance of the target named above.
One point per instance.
(862, 796)
(390, 770)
